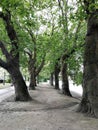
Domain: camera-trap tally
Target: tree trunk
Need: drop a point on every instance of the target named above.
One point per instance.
(51, 79)
(32, 74)
(89, 103)
(21, 91)
(65, 83)
(12, 59)
(56, 74)
(32, 82)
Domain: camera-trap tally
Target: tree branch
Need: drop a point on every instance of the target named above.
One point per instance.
(87, 6)
(4, 50)
(64, 15)
(31, 35)
(10, 29)
(3, 64)
(66, 53)
(14, 53)
(40, 66)
(1, 15)
(34, 41)
(11, 32)
(76, 34)
(28, 52)
(74, 42)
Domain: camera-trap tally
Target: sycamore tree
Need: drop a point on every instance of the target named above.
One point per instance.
(37, 44)
(89, 103)
(66, 34)
(48, 17)
(53, 55)
(31, 34)
(69, 26)
(9, 45)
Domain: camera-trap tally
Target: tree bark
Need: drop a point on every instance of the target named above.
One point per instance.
(51, 79)
(33, 70)
(21, 91)
(89, 103)
(56, 75)
(32, 74)
(39, 68)
(12, 59)
(32, 82)
(65, 82)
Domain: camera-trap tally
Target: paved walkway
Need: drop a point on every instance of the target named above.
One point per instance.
(6, 92)
(49, 110)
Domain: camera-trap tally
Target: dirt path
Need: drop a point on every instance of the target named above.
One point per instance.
(48, 111)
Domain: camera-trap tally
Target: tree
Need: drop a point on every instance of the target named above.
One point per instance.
(12, 58)
(65, 81)
(34, 70)
(56, 74)
(64, 32)
(52, 79)
(69, 41)
(33, 40)
(89, 103)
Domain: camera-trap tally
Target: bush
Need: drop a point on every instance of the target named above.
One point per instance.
(8, 81)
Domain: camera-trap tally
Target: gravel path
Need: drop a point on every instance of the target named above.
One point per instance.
(49, 110)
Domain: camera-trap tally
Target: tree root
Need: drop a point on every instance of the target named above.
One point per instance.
(28, 98)
(86, 108)
(66, 93)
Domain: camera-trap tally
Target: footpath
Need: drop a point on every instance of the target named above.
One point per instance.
(49, 110)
